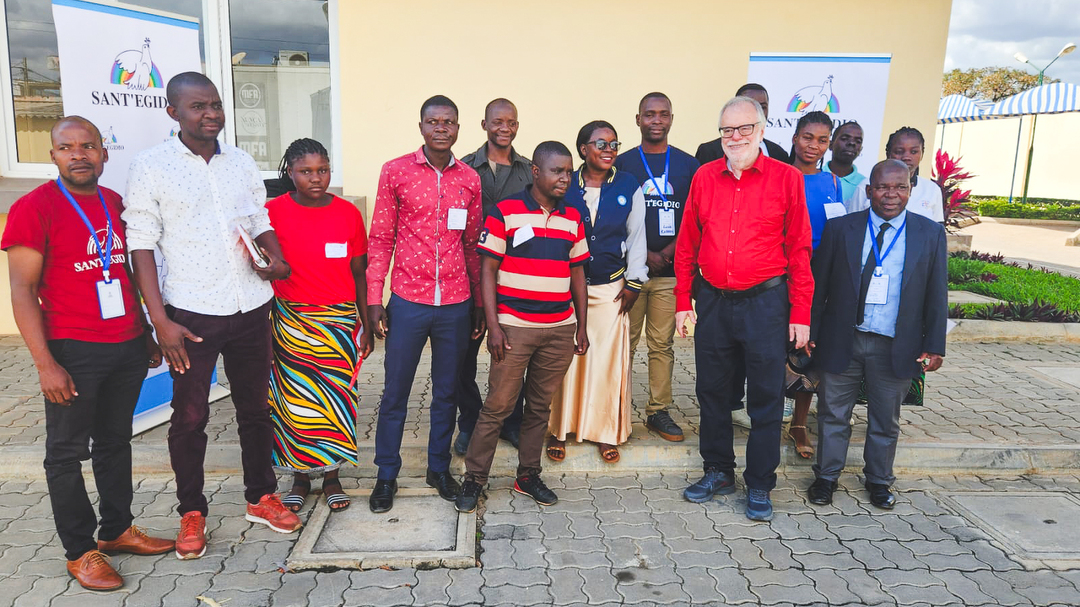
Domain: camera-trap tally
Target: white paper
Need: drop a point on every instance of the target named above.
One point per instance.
(110, 298)
(878, 293)
(950, 324)
(336, 250)
(456, 219)
(667, 222)
(523, 234)
(834, 210)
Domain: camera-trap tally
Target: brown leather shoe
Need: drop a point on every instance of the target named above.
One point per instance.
(135, 541)
(93, 572)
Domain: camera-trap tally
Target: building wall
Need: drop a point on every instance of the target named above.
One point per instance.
(988, 149)
(564, 63)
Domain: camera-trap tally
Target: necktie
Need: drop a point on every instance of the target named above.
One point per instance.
(868, 272)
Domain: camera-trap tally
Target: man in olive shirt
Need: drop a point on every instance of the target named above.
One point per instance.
(503, 172)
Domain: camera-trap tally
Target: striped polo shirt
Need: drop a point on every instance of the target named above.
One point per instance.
(536, 250)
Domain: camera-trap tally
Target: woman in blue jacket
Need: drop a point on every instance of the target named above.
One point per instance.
(594, 401)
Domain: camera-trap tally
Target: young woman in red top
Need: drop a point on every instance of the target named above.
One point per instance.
(318, 311)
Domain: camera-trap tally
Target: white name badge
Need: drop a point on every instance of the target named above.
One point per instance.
(667, 222)
(456, 218)
(523, 234)
(878, 293)
(834, 210)
(110, 299)
(336, 250)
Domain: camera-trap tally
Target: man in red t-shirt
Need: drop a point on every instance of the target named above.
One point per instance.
(79, 315)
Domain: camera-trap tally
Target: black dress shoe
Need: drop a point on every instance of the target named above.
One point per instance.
(461, 445)
(382, 496)
(880, 496)
(511, 435)
(820, 492)
(446, 484)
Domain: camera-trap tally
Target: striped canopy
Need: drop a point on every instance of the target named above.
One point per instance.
(958, 108)
(1056, 98)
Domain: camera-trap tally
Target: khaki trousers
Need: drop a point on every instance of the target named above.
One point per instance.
(655, 311)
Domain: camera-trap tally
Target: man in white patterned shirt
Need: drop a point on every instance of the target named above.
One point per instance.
(188, 197)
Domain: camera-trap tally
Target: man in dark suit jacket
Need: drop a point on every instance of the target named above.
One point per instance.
(879, 314)
(712, 150)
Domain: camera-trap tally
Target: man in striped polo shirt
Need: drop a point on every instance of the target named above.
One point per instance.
(533, 251)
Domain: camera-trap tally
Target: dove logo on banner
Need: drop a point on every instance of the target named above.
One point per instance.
(846, 87)
(136, 69)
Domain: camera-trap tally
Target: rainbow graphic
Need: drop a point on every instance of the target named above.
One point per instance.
(799, 105)
(121, 76)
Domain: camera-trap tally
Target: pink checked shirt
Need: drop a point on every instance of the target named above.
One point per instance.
(435, 259)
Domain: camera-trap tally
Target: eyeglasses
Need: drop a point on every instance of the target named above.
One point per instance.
(745, 130)
(603, 145)
(882, 188)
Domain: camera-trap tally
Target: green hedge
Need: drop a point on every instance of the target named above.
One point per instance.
(1017, 285)
(1000, 207)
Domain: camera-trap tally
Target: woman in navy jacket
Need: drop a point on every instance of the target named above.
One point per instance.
(594, 401)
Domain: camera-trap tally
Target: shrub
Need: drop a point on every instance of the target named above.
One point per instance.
(999, 207)
(1015, 284)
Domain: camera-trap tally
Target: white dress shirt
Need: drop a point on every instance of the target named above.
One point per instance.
(189, 209)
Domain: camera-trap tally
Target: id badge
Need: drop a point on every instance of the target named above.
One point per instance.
(834, 210)
(878, 292)
(523, 234)
(667, 222)
(456, 219)
(110, 299)
(337, 250)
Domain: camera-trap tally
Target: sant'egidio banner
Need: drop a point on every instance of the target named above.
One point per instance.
(846, 87)
(114, 64)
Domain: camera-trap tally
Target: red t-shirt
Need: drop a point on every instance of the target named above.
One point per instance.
(319, 244)
(45, 221)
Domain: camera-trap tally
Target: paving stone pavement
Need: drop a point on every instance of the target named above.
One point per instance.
(618, 540)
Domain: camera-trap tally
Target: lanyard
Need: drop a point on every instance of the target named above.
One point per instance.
(878, 255)
(667, 173)
(106, 255)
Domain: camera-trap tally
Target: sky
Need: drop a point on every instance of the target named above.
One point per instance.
(989, 32)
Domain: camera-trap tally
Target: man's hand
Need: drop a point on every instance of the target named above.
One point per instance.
(930, 362)
(366, 343)
(153, 349)
(800, 334)
(277, 269)
(380, 321)
(628, 297)
(581, 340)
(656, 262)
(680, 321)
(56, 384)
(810, 347)
(171, 338)
(498, 344)
(478, 322)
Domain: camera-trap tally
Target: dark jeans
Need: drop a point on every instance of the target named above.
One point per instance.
(108, 378)
(468, 398)
(244, 341)
(754, 331)
(410, 326)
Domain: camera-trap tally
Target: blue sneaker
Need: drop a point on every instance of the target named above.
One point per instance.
(758, 505)
(712, 483)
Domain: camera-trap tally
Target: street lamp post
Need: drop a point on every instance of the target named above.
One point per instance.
(1065, 50)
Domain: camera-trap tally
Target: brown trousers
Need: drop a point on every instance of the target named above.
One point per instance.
(546, 354)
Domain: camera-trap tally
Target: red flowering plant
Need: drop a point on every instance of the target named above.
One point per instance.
(949, 175)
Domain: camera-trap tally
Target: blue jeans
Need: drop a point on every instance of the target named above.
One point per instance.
(751, 333)
(410, 326)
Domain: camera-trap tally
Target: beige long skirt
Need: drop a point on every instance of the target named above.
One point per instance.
(593, 402)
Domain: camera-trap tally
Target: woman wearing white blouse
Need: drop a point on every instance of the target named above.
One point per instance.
(907, 145)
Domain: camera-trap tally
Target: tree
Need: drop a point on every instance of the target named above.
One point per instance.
(989, 83)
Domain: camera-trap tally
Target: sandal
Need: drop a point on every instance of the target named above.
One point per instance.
(805, 451)
(556, 449)
(297, 496)
(609, 453)
(337, 500)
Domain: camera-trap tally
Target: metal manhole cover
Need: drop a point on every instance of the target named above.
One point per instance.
(1039, 528)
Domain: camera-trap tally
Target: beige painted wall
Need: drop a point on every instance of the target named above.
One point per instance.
(564, 63)
(988, 148)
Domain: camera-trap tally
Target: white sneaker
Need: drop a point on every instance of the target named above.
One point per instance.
(741, 418)
(789, 409)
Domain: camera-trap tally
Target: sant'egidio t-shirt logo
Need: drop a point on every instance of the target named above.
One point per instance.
(815, 98)
(94, 262)
(136, 70)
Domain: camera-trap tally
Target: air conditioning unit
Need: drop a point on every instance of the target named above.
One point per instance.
(292, 58)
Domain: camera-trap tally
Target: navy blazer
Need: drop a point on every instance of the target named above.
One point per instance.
(924, 293)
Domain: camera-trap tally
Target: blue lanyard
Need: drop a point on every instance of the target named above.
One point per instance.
(667, 172)
(106, 255)
(878, 255)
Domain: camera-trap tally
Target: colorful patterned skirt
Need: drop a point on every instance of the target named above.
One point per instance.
(313, 409)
